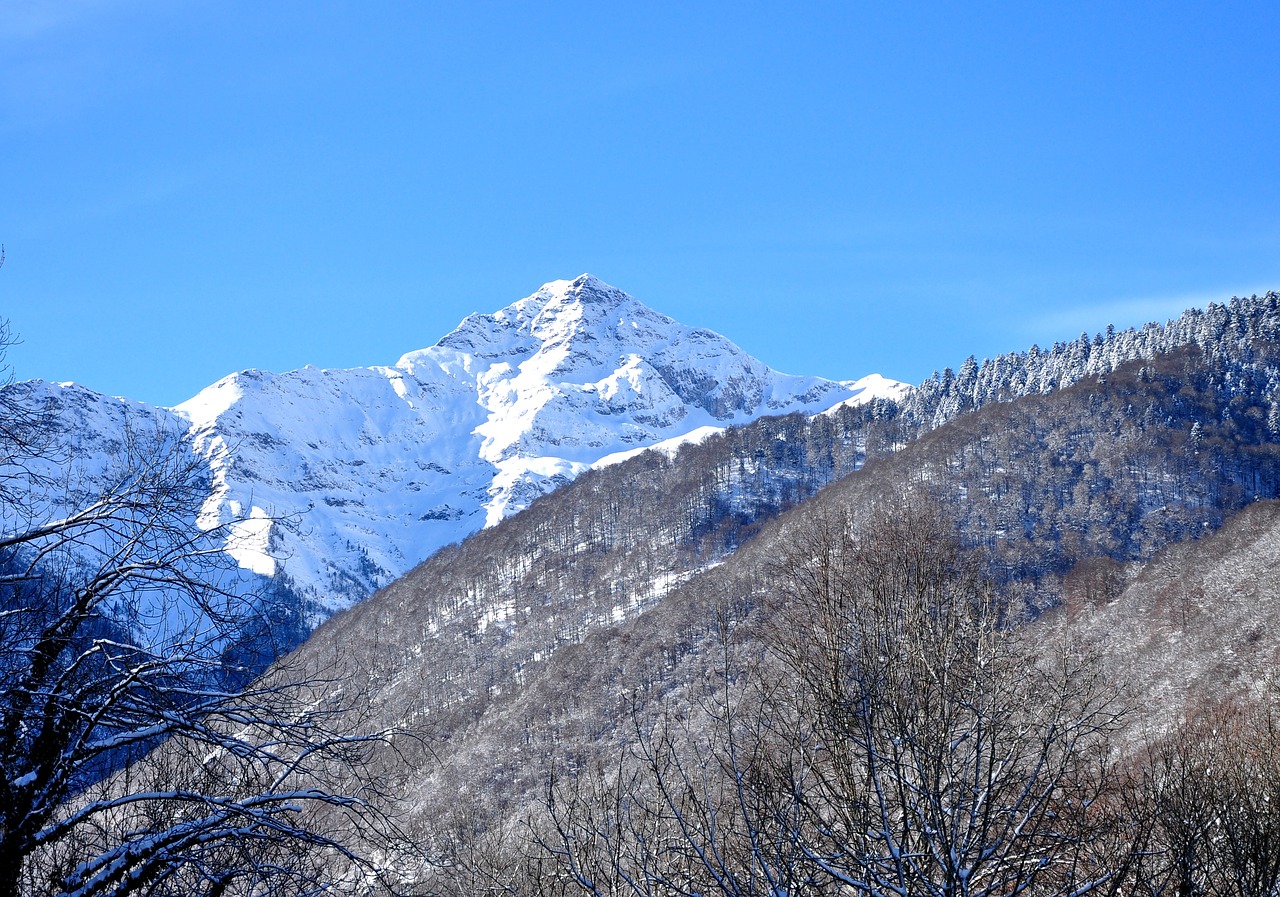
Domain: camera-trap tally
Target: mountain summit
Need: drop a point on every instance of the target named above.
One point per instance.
(585, 369)
(342, 480)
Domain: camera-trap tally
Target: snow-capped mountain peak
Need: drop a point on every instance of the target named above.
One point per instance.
(562, 313)
(344, 479)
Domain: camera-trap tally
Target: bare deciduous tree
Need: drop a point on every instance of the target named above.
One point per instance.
(913, 745)
(1210, 794)
(943, 754)
(117, 614)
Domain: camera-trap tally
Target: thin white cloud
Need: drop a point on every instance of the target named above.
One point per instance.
(1070, 321)
(26, 19)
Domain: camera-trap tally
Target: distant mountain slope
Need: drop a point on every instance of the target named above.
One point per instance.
(337, 481)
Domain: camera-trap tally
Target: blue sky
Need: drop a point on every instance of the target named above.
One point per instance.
(192, 188)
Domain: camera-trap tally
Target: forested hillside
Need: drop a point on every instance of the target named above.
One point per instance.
(545, 646)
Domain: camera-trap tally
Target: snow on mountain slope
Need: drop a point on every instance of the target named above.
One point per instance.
(90, 435)
(872, 386)
(342, 480)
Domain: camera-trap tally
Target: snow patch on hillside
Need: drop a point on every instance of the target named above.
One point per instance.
(869, 388)
(668, 447)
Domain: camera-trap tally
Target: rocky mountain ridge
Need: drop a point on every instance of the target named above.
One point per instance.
(335, 482)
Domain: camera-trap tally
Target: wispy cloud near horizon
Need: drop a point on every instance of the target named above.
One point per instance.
(23, 21)
(1092, 317)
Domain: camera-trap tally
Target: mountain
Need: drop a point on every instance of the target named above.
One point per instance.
(669, 638)
(335, 482)
(549, 645)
